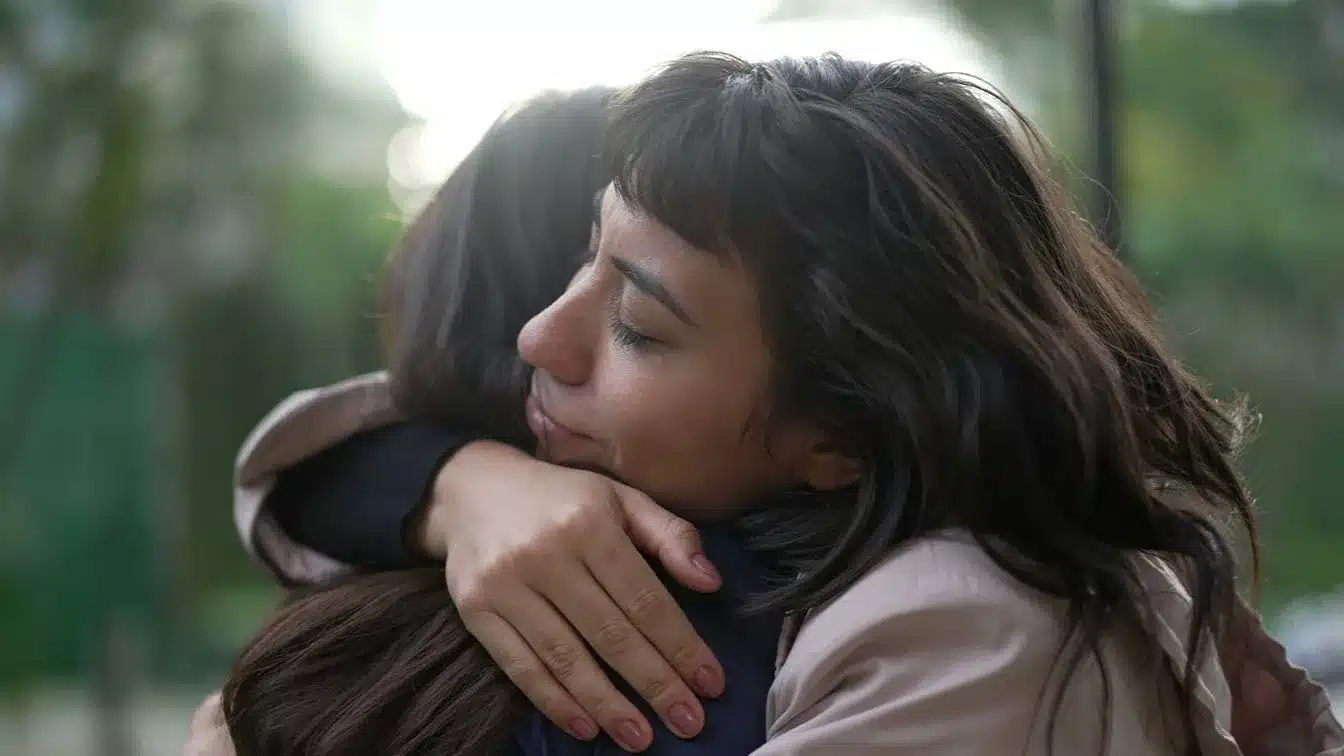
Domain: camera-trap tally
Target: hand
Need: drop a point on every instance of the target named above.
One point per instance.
(540, 558)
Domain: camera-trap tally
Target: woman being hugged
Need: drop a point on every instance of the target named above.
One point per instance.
(383, 663)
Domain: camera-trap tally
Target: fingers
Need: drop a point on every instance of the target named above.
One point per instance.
(643, 600)
(608, 629)
(567, 661)
(579, 572)
(674, 542)
(523, 667)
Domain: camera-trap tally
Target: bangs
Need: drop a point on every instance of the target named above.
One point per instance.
(691, 148)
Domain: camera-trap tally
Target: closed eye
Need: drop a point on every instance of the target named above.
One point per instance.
(626, 336)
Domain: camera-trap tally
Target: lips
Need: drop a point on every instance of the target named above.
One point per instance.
(549, 432)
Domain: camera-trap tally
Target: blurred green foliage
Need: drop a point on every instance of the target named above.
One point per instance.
(174, 260)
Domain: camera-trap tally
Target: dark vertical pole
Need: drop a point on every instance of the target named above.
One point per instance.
(1104, 116)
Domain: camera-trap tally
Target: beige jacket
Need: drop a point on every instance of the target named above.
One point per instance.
(936, 651)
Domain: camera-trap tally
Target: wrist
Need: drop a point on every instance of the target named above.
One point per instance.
(452, 485)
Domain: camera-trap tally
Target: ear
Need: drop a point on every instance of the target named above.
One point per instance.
(829, 465)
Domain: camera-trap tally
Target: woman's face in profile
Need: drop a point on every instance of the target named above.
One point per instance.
(654, 367)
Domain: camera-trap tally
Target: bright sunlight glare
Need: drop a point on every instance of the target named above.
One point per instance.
(455, 70)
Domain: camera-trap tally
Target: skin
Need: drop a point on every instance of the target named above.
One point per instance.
(652, 369)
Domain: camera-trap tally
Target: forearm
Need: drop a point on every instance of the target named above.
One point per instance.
(356, 500)
(425, 525)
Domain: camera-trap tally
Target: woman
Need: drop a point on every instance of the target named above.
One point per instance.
(838, 302)
(383, 663)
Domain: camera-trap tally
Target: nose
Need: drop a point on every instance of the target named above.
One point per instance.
(561, 339)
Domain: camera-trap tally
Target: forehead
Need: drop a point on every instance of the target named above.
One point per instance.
(707, 284)
(626, 225)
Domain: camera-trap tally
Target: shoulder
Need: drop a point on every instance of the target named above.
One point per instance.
(208, 735)
(937, 644)
(945, 587)
(308, 421)
(940, 645)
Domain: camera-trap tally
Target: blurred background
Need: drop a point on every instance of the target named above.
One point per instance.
(196, 197)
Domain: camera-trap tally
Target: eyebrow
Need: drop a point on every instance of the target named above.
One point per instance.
(648, 282)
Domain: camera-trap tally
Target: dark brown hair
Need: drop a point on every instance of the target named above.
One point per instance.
(932, 298)
(382, 664)
(497, 245)
(373, 664)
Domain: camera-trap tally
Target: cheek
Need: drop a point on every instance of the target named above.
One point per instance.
(680, 434)
(663, 399)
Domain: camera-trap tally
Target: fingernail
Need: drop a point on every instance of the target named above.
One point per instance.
(630, 736)
(703, 564)
(683, 720)
(708, 682)
(582, 728)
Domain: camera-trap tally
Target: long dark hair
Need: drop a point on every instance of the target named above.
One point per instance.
(383, 663)
(934, 300)
(497, 245)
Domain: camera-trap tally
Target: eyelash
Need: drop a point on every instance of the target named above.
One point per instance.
(628, 337)
(623, 334)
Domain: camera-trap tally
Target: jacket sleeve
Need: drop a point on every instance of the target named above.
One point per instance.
(1276, 707)
(353, 501)
(327, 480)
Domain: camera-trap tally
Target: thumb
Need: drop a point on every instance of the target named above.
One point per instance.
(674, 542)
